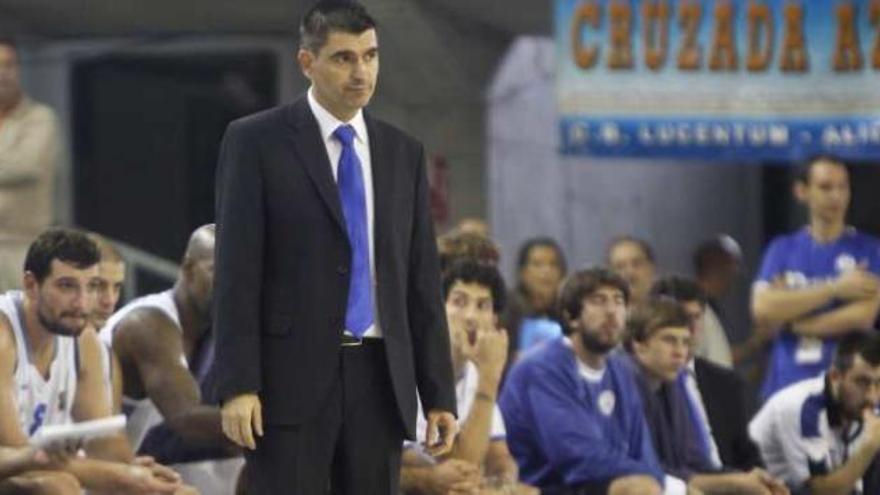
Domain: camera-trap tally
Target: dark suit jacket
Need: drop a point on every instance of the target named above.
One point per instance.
(723, 394)
(283, 260)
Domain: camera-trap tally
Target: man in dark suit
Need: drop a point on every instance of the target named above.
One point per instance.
(328, 306)
(717, 394)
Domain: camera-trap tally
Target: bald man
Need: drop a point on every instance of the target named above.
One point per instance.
(162, 342)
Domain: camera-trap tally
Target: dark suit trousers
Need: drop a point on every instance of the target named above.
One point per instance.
(351, 447)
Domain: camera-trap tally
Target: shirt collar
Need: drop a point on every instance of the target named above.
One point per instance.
(328, 123)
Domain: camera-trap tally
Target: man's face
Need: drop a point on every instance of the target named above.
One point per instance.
(630, 262)
(665, 352)
(542, 272)
(858, 389)
(66, 297)
(200, 283)
(695, 312)
(469, 312)
(111, 275)
(10, 86)
(827, 192)
(602, 318)
(343, 72)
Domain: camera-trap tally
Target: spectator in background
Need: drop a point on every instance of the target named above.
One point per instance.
(820, 435)
(816, 284)
(633, 259)
(716, 394)
(29, 149)
(456, 244)
(473, 225)
(530, 315)
(716, 264)
(658, 340)
(573, 414)
(474, 293)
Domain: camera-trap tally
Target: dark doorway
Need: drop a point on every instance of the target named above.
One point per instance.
(146, 135)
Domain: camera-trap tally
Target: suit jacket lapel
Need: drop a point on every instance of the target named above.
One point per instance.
(313, 154)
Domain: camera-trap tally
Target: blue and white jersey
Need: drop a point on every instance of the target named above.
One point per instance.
(798, 261)
(800, 434)
(41, 401)
(142, 413)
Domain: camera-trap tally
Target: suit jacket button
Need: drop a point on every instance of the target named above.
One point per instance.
(342, 270)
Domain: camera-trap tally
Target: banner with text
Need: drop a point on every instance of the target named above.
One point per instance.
(719, 79)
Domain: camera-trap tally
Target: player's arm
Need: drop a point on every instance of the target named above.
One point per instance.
(842, 480)
(25, 162)
(499, 461)
(773, 306)
(11, 433)
(148, 341)
(857, 315)
(93, 400)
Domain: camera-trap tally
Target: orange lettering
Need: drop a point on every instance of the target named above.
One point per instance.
(847, 56)
(794, 52)
(689, 14)
(586, 14)
(655, 32)
(621, 29)
(760, 25)
(723, 55)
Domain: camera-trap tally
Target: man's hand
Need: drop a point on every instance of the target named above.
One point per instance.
(454, 476)
(775, 486)
(158, 470)
(440, 433)
(139, 480)
(491, 352)
(871, 428)
(856, 284)
(242, 417)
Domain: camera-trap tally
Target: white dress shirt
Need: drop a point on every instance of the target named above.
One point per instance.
(328, 125)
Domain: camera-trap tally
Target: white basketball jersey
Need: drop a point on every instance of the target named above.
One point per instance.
(40, 401)
(142, 413)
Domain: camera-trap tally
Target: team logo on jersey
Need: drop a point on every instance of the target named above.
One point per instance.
(844, 263)
(606, 402)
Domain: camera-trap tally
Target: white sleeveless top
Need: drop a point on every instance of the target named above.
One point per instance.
(142, 413)
(40, 401)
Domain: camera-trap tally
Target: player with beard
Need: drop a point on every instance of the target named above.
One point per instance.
(162, 342)
(821, 435)
(51, 370)
(573, 415)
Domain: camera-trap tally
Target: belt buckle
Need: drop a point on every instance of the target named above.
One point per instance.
(351, 340)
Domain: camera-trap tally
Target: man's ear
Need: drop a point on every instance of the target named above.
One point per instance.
(799, 190)
(305, 58)
(30, 284)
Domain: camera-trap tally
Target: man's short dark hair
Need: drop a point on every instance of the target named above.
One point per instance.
(806, 168)
(472, 271)
(646, 248)
(681, 289)
(657, 313)
(712, 252)
(65, 245)
(582, 284)
(865, 344)
(332, 15)
(457, 245)
(525, 250)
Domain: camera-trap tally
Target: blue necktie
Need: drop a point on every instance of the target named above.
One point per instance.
(350, 179)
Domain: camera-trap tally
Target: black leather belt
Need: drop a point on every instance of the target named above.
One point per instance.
(352, 341)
